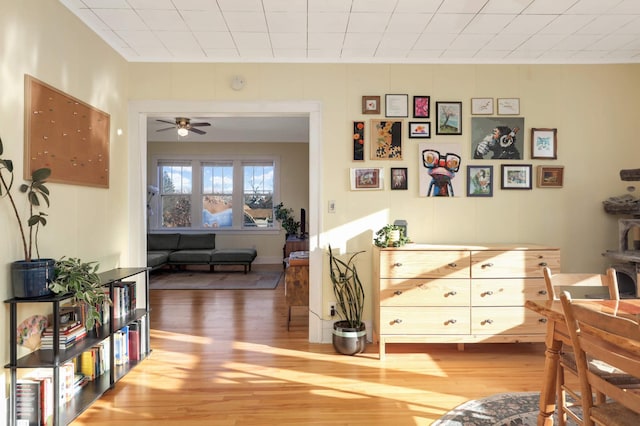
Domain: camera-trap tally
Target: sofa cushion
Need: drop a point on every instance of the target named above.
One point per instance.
(162, 242)
(197, 241)
(233, 255)
(157, 258)
(191, 257)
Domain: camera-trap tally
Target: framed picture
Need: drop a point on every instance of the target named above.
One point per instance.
(497, 138)
(367, 179)
(396, 105)
(398, 178)
(516, 176)
(358, 141)
(438, 169)
(419, 129)
(421, 106)
(508, 106)
(479, 181)
(550, 176)
(544, 143)
(371, 104)
(386, 139)
(448, 118)
(481, 106)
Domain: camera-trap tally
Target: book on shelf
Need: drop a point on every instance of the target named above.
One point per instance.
(134, 341)
(66, 338)
(121, 346)
(45, 377)
(28, 402)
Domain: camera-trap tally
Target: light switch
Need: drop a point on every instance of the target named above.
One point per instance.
(332, 206)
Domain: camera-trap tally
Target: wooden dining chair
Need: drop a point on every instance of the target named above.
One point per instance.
(579, 286)
(614, 341)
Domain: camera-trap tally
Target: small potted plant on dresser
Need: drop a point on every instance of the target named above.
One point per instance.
(390, 236)
(349, 334)
(31, 276)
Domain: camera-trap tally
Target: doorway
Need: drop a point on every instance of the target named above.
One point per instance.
(139, 111)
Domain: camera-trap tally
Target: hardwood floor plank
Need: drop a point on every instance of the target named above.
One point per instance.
(226, 358)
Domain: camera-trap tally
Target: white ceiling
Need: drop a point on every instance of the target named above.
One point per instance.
(367, 31)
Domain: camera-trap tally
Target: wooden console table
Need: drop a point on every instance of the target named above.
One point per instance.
(296, 281)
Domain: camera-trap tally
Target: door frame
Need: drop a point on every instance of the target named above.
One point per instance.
(138, 113)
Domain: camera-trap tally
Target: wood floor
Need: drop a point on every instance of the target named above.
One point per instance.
(226, 358)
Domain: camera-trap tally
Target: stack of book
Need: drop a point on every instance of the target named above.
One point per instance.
(69, 334)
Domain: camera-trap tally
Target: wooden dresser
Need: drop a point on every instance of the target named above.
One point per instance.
(459, 294)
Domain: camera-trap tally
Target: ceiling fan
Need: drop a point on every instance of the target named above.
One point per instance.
(184, 126)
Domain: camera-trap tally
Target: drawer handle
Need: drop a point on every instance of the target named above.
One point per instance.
(451, 293)
(397, 264)
(453, 264)
(487, 293)
(543, 292)
(451, 321)
(543, 264)
(542, 320)
(487, 265)
(397, 321)
(397, 292)
(487, 321)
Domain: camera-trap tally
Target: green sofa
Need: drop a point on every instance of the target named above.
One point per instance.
(180, 249)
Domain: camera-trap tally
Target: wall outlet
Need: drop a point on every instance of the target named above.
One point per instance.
(331, 309)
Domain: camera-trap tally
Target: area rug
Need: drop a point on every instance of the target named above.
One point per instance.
(205, 280)
(504, 409)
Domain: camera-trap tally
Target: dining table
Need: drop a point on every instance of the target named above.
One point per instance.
(557, 334)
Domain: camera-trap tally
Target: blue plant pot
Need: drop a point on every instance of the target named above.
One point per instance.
(31, 279)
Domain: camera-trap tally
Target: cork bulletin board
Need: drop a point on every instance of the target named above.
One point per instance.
(66, 135)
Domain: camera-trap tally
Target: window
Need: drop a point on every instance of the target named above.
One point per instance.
(214, 188)
(258, 195)
(175, 195)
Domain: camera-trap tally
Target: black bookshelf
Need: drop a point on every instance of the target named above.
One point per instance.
(54, 358)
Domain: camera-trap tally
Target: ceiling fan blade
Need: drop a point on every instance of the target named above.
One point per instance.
(168, 122)
(200, 124)
(166, 128)
(198, 131)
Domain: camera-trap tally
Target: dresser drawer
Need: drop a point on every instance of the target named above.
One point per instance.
(424, 292)
(424, 264)
(506, 291)
(507, 320)
(417, 320)
(513, 263)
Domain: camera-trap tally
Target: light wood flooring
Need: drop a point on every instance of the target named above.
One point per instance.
(226, 358)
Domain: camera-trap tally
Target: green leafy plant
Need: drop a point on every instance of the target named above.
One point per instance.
(81, 280)
(384, 238)
(285, 217)
(37, 194)
(347, 288)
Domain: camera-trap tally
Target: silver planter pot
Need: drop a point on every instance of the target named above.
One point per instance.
(348, 340)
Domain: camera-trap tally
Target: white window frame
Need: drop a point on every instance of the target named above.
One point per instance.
(196, 162)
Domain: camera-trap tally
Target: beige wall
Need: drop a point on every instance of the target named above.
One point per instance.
(294, 184)
(593, 108)
(43, 39)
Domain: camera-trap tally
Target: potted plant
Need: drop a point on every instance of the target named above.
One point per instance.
(390, 236)
(349, 334)
(287, 221)
(31, 276)
(81, 280)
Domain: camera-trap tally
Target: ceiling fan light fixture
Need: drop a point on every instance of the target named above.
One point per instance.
(182, 131)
